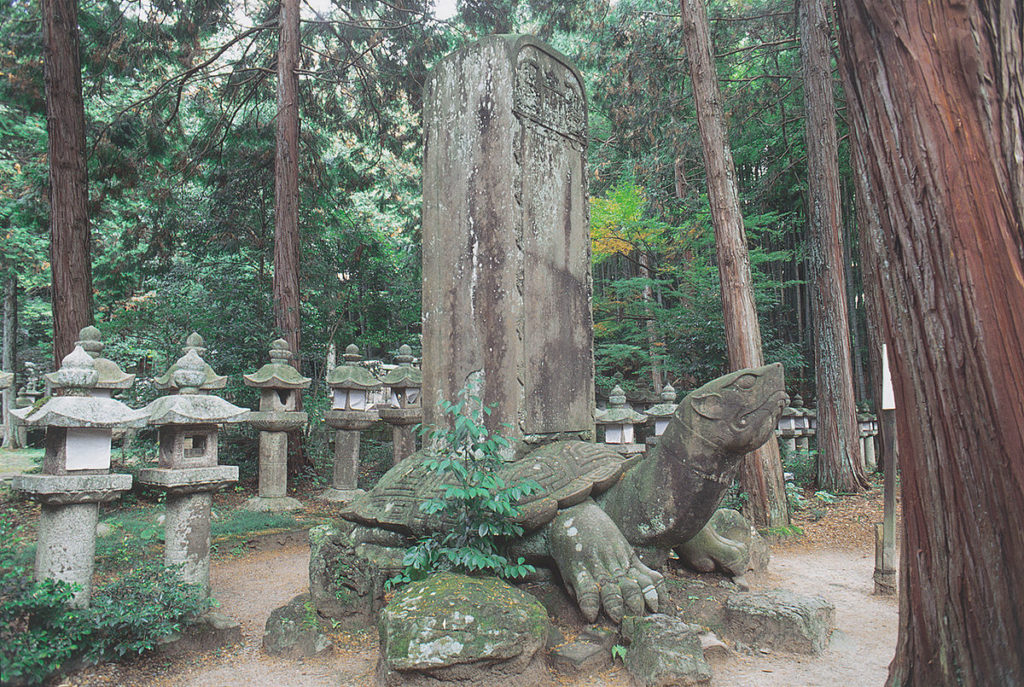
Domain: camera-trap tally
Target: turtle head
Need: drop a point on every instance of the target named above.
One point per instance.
(739, 411)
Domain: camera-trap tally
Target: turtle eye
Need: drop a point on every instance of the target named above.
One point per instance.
(745, 381)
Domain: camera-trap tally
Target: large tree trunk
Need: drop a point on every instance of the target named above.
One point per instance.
(286, 180)
(286, 203)
(8, 357)
(936, 108)
(839, 467)
(69, 195)
(760, 471)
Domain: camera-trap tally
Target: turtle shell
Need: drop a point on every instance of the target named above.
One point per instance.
(567, 471)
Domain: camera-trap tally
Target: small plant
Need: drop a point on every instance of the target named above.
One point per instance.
(825, 497)
(619, 652)
(795, 497)
(477, 506)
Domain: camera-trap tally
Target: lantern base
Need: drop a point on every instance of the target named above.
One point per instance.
(272, 504)
(340, 495)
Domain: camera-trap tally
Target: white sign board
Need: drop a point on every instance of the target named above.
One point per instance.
(88, 449)
(888, 397)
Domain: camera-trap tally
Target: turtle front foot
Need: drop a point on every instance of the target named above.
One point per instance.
(599, 566)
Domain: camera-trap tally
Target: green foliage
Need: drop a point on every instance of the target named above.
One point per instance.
(40, 632)
(477, 506)
(130, 615)
(803, 465)
(825, 497)
(619, 652)
(795, 497)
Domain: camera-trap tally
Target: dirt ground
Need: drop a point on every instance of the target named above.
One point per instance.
(833, 559)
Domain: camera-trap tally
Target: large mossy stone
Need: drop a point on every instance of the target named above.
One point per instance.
(293, 630)
(344, 586)
(663, 651)
(780, 620)
(453, 629)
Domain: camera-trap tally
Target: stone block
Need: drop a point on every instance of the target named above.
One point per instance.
(663, 651)
(780, 620)
(293, 630)
(471, 631)
(187, 480)
(68, 489)
(579, 658)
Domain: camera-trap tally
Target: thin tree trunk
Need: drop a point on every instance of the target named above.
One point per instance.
(653, 345)
(839, 467)
(286, 180)
(937, 109)
(760, 471)
(69, 194)
(8, 357)
(286, 202)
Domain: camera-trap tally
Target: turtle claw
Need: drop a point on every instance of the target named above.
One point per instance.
(599, 566)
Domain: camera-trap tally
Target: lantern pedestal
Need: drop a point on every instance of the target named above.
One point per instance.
(273, 465)
(402, 436)
(187, 518)
(347, 425)
(67, 524)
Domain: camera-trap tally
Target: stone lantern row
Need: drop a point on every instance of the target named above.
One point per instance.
(351, 412)
(798, 425)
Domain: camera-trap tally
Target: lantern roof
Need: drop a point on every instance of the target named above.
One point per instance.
(77, 375)
(350, 374)
(277, 374)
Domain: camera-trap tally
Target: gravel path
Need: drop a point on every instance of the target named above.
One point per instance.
(250, 587)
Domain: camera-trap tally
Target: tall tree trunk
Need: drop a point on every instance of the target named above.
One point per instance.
(937, 109)
(8, 357)
(286, 203)
(653, 345)
(286, 180)
(69, 194)
(760, 471)
(839, 467)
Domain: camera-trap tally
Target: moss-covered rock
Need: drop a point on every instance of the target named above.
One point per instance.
(345, 586)
(294, 630)
(467, 630)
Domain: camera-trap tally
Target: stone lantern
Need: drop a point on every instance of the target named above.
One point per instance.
(76, 471)
(187, 470)
(404, 410)
(801, 422)
(6, 384)
(660, 415)
(280, 385)
(350, 413)
(111, 377)
(28, 395)
(619, 420)
(868, 426)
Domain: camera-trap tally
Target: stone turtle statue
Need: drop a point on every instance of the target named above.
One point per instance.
(603, 521)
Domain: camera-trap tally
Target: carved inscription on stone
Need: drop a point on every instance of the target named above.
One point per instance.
(549, 94)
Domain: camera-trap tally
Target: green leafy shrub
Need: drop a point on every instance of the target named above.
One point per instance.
(40, 632)
(130, 615)
(476, 500)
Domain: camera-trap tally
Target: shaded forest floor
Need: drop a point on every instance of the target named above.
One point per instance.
(833, 558)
